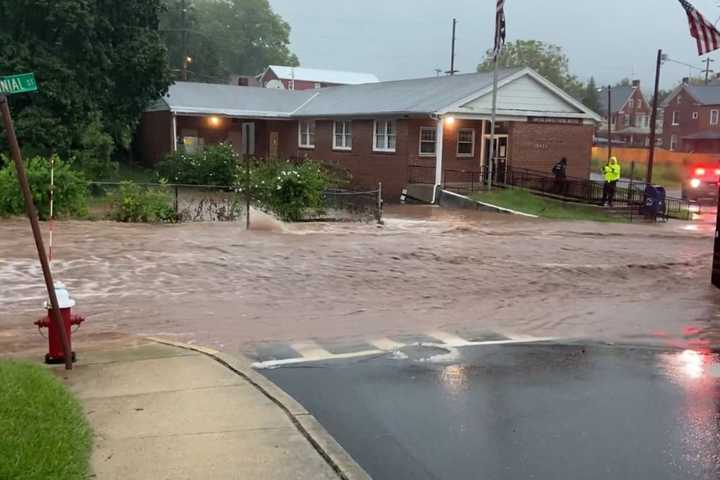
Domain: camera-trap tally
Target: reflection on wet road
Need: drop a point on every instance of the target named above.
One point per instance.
(521, 412)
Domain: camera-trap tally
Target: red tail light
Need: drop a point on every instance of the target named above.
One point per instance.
(717, 172)
(699, 172)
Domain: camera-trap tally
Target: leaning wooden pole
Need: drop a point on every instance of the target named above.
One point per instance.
(35, 225)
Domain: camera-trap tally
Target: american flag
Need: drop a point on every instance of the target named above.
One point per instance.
(707, 36)
(499, 28)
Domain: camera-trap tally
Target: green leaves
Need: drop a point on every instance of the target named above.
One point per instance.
(224, 37)
(98, 64)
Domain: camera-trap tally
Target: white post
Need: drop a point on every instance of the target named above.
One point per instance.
(482, 148)
(439, 140)
(173, 134)
(52, 207)
(491, 160)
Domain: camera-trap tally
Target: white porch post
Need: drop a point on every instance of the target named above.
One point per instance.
(482, 148)
(440, 130)
(173, 134)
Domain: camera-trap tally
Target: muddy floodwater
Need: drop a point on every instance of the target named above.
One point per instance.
(425, 269)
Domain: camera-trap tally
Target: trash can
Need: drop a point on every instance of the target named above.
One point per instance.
(654, 203)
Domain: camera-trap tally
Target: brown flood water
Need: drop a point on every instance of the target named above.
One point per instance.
(426, 269)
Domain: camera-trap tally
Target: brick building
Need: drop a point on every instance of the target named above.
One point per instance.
(630, 116)
(692, 119)
(300, 78)
(382, 131)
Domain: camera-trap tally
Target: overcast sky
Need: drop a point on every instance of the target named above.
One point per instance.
(609, 39)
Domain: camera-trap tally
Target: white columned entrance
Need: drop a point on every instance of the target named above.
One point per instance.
(173, 133)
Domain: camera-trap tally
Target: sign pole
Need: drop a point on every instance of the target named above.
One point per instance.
(35, 225)
(716, 249)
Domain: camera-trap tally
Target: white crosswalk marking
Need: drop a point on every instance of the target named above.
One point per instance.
(310, 350)
(449, 339)
(387, 344)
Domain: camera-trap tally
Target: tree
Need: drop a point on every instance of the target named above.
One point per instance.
(591, 99)
(548, 60)
(98, 64)
(226, 36)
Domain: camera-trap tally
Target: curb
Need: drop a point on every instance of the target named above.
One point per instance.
(328, 448)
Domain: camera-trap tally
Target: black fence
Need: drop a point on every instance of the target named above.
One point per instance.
(629, 195)
(217, 203)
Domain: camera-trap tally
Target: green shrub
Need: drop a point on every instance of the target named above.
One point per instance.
(214, 165)
(94, 155)
(71, 189)
(287, 189)
(133, 203)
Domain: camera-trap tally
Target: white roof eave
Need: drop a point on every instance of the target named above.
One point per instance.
(229, 112)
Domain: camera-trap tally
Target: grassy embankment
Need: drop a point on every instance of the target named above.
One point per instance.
(526, 202)
(43, 431)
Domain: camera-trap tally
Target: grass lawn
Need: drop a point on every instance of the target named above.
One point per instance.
(526, 202)
(43, 432)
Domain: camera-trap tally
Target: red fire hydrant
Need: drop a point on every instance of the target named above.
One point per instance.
(56, 354)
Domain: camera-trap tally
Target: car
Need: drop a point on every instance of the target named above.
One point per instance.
(701, 183)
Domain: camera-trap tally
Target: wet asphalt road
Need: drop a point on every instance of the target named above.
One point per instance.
(520, 412)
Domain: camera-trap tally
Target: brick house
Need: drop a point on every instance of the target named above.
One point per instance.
(630, 115)
(382, 131)
(300, 78)
(692, 119)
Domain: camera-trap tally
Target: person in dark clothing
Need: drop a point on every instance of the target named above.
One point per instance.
(560, 172)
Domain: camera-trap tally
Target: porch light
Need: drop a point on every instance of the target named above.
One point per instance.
(214, 121)
(450, 121)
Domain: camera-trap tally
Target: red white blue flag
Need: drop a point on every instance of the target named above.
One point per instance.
(499, 28)
(707, 36)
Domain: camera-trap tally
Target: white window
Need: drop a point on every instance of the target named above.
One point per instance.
(673, 142)
(342, 135)
(714, 117)
(695, 115)
(676, 118)
(385, 136)
(466, 142)
(428, 141)
(317, 85)
(306, 134)
(627, 120)
(631, 104)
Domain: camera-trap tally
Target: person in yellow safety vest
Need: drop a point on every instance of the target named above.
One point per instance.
(611, 173)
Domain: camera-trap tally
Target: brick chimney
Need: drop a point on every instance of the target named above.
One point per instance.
(636, 83)
(686, 80)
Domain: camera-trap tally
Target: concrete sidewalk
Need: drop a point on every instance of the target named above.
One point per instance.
(162, 412)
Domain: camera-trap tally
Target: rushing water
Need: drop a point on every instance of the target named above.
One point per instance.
(426, 268)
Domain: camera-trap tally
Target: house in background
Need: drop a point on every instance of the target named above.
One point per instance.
(397, 133)
(692, 118)
(300, 78)
(629, 118)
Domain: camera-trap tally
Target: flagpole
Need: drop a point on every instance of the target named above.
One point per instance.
(493, 117)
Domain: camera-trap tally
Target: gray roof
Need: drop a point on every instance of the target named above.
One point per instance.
(418, 96)
(705, 94)
(706, 135)
(618, 96)
(404, 97)
(231, 100)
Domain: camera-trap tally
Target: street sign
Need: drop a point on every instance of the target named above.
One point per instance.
(23, 83)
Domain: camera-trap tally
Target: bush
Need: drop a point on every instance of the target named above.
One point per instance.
(214, 165)
(134, 203)
(288, 190)
(94, 157)
(71, 189)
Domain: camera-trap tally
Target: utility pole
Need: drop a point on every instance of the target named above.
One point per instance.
(452, 70)
(707, 70)
(185, 56)
(610, 118)
(653, 120)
